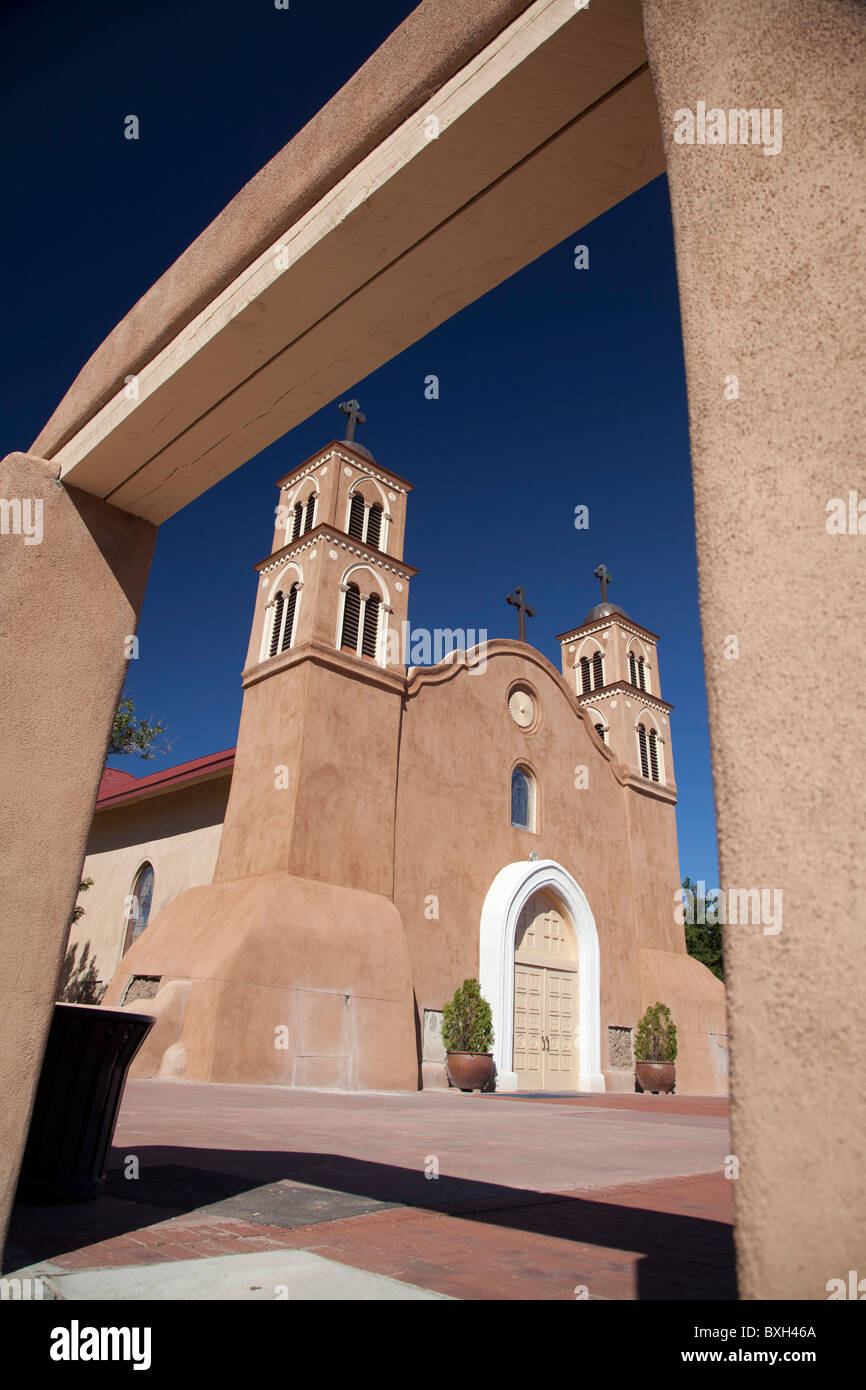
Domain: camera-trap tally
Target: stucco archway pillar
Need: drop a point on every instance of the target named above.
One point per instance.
(70, 594)
(770, 261)
(511, 889)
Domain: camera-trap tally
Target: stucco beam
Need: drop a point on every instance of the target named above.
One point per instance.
(551, 124)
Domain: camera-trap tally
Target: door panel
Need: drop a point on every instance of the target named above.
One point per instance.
(528, 1019)
(545, 1014)
(559, 1023)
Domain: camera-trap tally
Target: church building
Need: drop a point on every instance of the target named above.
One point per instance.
(297, 911)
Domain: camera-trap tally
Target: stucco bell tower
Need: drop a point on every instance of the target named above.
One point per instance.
(611, 664)
(324, 678)
(292, 966)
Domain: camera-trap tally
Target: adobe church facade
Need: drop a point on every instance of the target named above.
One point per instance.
(390, 832)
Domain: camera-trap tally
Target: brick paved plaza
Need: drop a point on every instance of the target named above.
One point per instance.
(621, 1196)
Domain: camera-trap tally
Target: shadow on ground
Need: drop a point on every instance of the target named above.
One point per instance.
(683, 1257)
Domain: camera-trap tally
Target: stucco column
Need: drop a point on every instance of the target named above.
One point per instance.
(72, 577)
(770, 260)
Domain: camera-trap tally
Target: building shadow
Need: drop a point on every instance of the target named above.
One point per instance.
(681, 1257)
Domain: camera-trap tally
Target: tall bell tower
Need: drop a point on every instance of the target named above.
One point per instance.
(324, 677)
(611, 664)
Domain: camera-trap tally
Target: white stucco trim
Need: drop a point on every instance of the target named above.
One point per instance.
(505, 900)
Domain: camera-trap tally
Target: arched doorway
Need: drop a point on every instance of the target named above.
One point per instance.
(535, 920)
(546, 1025)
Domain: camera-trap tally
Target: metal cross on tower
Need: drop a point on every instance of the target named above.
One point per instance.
(353, 410)
(605, 577)
(518, 601)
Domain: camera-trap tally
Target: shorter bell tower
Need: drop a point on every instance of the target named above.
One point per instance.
(611, 664)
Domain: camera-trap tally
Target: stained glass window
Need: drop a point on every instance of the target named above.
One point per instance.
(521, 799)
(138, 905)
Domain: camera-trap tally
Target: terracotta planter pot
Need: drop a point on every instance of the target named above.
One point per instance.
(471, 1071)
(656, 1076)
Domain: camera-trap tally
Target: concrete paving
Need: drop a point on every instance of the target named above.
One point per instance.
(470, 1197)
(292, 1275)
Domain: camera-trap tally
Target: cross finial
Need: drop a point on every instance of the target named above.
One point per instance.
(603, 574)
(518, 601)
(353, 410)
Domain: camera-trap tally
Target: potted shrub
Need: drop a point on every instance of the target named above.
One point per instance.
(467, 1033)
(655, 1049)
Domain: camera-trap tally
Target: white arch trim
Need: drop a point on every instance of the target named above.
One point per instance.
(351, 576)
(648, 716)
(588, 647)
(506, 898)
(280, 580)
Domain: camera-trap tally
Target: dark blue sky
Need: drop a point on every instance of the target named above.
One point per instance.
(561, 387)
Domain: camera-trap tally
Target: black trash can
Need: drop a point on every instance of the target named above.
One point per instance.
(87, 1057)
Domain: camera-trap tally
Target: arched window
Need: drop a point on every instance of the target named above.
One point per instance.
(283, 625)
(138, 906)
(522, 799)
(297, 520)
(371, 626)
(351, 619)
(597, 671)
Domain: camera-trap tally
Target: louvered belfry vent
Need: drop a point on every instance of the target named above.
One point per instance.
(585, 678)
(641, 670)
(654, 755)
(356, 517)
(598, 671)
(297, 519)
(351, 619)
(371, 626)
(310, 513)
(644, 756)
(632, 668)
(278, 618)
(288, 630)
(374, 526)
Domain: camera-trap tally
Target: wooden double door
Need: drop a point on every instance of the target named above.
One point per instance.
(545, 999)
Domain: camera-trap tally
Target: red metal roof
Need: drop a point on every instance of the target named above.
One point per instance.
(113, 780)
(117, 787)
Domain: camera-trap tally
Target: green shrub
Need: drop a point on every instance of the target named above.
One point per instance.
(467, 1025)
(656, 1039)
